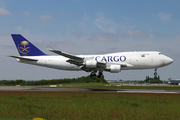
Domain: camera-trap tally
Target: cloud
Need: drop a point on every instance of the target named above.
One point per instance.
(79, 34)
(4, 12)
(67, 42)
(104, 24)
(107, 36)
(83, 24)
(45, 18)
(164, 16)
(18, 28)
(126, 18)
(21, 30)
(5, 40)
(6, 33)
(134, 33)
(101, 39)
(26, 13)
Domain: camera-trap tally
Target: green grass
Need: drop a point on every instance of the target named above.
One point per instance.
(87, 106)
(103, 86)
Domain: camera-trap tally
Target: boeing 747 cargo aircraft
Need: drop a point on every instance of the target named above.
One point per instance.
(112, 62)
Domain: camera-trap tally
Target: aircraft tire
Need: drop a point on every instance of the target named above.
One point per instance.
(155, 73)
(92, 75)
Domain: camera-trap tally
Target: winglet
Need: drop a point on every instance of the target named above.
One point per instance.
(49, 48)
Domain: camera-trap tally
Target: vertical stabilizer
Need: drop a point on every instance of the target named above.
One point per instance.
(24, 47)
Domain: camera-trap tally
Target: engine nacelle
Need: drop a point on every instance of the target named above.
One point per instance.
(91, 64)
(115, 68)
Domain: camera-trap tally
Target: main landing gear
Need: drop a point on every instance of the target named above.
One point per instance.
(99, 74)
(93, 74)
(155, 73)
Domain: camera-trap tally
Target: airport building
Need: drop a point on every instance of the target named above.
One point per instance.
(174, 82)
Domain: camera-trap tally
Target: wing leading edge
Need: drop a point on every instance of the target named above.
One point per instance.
(64, 54)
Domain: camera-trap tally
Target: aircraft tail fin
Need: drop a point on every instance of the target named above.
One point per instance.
(24, 47)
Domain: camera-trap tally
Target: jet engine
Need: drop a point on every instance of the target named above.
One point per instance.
(115, 68)
(91, 64)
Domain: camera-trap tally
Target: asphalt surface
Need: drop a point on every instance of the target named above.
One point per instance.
(30, 88)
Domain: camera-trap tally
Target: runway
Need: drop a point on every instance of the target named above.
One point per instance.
(30, 88)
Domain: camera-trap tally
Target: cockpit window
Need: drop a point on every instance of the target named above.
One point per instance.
(160, 53)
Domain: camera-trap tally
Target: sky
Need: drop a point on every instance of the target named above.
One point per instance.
(90, 27)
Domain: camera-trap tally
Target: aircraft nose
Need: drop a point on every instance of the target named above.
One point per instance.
(168, 61)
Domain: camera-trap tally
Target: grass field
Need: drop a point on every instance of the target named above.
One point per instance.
(113, 86)
(84, 106)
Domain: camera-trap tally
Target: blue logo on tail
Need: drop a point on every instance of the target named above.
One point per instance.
(25, 48)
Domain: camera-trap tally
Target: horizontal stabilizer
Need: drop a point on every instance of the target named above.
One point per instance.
(23, 58)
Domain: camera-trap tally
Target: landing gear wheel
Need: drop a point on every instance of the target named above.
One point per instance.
(99, 75)
(93, 74)
(155, 73)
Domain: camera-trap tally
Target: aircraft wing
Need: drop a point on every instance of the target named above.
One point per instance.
(64, 54)
(75, 59)
(23, 58)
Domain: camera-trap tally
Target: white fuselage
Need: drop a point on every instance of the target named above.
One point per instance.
(128, 60)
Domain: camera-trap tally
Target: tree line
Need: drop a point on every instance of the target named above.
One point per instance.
(150, 80)
(82, 79)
